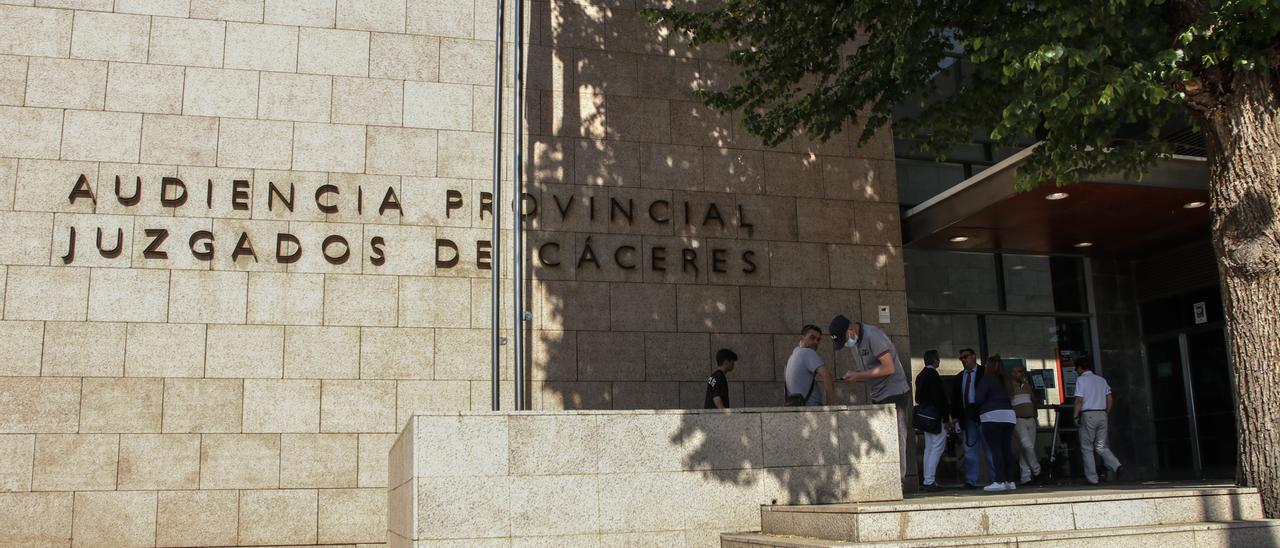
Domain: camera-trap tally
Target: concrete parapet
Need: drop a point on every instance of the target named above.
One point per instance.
(538, 476)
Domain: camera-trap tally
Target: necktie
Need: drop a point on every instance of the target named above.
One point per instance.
(968, 387)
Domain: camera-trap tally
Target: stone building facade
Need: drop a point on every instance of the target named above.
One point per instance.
(241, 241)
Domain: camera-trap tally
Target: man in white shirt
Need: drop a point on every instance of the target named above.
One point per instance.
(1093, 407)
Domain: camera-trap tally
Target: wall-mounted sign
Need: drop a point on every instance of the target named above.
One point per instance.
(625, 255)
(173, 194)
(1202, 316)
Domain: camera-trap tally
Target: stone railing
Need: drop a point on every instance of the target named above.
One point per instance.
(672, 478)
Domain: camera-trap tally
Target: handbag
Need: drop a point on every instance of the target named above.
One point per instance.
(796, 400)
(926, 418)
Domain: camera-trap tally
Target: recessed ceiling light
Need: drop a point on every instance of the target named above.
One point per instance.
(1193, 205)
(1056, 196)
(959, 239)
(1085, 244)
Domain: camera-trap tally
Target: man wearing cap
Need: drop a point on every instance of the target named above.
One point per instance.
(876, 362)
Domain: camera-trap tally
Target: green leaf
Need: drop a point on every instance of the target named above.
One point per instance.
(1097, 80)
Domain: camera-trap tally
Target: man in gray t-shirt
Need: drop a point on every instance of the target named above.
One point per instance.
(876, 361)
(805, 367)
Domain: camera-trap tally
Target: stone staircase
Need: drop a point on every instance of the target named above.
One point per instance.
(1162, 516)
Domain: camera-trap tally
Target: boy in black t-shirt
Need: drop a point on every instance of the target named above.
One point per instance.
(717, 384)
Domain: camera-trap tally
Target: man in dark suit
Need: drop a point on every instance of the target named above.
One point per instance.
(966, 414)
(931, 398)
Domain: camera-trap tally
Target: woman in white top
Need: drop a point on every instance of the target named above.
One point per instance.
(1024, 433)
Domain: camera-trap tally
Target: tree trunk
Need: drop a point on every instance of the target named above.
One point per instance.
(1243, 138)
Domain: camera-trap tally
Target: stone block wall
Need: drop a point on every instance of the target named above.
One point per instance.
(281, 242)
(630, 478)
(1115, 287)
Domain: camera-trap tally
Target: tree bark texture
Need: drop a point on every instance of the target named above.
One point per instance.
(1242, 133)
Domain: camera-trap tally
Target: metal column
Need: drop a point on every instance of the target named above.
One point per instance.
(495, 285)
(517, 230)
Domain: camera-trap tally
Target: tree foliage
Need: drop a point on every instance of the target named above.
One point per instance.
(1095, 80)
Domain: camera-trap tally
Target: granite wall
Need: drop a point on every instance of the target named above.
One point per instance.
(1124, 367)
(630, 478)
(242, 241)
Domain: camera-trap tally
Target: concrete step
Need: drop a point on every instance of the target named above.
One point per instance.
(1233, 534)
(1025, 511)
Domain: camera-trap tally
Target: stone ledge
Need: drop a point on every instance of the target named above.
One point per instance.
(733, 411)
(647, 471)
(1028, 497)
(1018, 514)
(1204, 535)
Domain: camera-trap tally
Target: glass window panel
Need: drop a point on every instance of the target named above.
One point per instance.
(1028, 283)
(1037, 283)
(1212, 299)
(905, 146)
(946, 333)
(918, 181)
(1069, 293)
(1179, 311)
(945, 280)
(1002, 153)
(1161, 316)
(1039, 341)
(968, 152)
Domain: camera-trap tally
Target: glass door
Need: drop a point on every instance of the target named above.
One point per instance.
(1193, 403)
(1171, 416)
(1214, 402)
(1186, 347)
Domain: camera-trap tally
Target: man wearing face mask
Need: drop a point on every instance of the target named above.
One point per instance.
(876, 362)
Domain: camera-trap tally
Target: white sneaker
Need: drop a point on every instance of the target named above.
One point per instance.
(1010, 486)
(995, 487)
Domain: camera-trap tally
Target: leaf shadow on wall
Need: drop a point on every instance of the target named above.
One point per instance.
(613, 128)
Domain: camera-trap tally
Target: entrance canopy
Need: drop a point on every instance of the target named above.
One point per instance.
(1108, 216)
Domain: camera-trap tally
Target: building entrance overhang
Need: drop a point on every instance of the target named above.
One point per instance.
(1103, 216)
